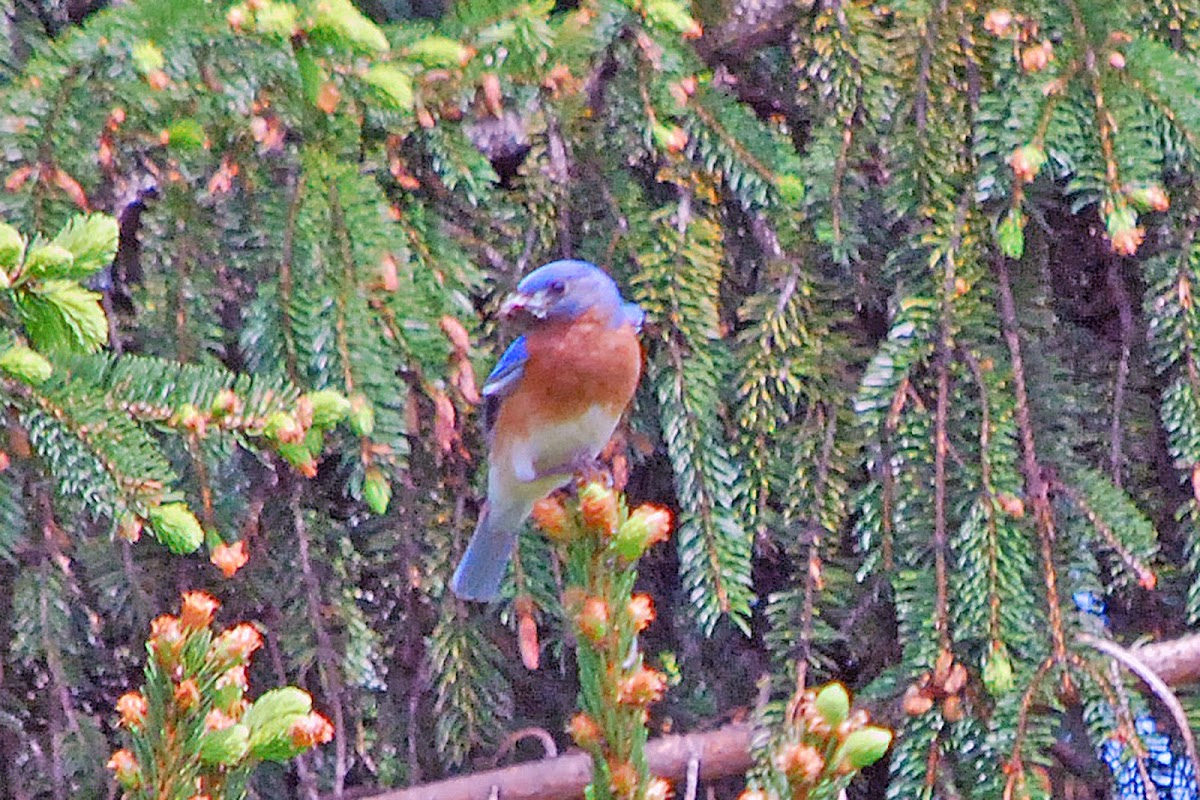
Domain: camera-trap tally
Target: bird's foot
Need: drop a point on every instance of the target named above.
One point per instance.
(592, 471)
(584, 469)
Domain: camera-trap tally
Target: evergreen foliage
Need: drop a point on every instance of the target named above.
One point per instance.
(900, 392)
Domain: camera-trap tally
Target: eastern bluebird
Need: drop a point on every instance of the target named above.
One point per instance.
(551, 403)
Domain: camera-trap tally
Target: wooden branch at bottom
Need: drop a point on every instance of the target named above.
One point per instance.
(1177, 661)
(719, 753)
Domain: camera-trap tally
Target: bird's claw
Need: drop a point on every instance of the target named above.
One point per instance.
(592, 471)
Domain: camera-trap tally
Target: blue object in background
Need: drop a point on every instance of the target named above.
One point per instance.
(1170, 772)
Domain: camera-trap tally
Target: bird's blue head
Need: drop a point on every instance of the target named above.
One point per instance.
(564, 290)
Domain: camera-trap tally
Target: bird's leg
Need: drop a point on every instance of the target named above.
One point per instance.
(592, 471)
(584, 467)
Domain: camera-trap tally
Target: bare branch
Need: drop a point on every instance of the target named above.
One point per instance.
(719, 753)
(1135, 664)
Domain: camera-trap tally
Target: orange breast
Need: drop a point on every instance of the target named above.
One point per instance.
(571, 368)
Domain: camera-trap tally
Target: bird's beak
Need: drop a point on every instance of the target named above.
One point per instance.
(519, 304)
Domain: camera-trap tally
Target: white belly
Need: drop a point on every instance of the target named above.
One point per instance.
(552, 453)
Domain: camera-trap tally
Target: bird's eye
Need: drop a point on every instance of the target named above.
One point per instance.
(557, 288)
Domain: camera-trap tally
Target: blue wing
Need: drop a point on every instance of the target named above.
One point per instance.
(503, 379)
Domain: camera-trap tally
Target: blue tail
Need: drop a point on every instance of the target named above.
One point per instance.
(482, 567)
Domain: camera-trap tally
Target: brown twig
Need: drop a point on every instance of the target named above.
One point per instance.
(559, 152)
(549, 748)
(1035, 484)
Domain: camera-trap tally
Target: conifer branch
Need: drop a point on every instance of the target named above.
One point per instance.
(347, 283)
(1144, 574)
(327, 661)
(813, 581)
(989, 503)
(1036, 486)
(1116, 285)
(286, 280)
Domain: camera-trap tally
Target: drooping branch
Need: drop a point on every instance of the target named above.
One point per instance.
(1036, 486)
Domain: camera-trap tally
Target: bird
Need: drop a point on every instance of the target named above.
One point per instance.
(551, 403)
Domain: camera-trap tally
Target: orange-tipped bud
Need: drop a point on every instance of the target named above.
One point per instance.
(599, 507)
(1148, 198)
(284, 428)
(1126, 241)
(801, 762)
(217, 720)
(238, 643)
(234, 676)
(593, 619)
(646, 526)
(998, 22)
(1037, 57)
(1011, 505)
(956, 680)
(585, 732)
(527, 633)
(158, 80)
(310, 730)
(1026, 161)
(303, 413)
(225, 403)
(198, 608)
(191, 419)
(551, 518)
(166, 630)
(132, 707)
(130, 528)
(166, 638)
(642, 687)
(187, 694)
(229, 558)
(952, 708)
(916, 701)
(659, 789)
(125, 768)
(623, 779)
(641, 611)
